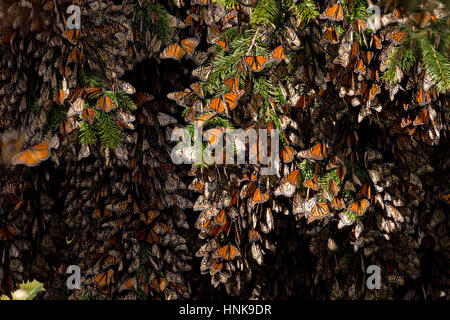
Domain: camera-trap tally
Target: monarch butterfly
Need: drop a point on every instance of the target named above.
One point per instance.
(105, 278)
(287, 154)
(359, 25)
(68, 125)
(331, 36)
(253, 235)
(59, 96)
(8, 232)
(317, 152)
(333, 13)
(332, 187)
(338, 203)
(366, 191)
(367, 55)
(231, 98)
(232, 83)
(278, 53)
(221, 219)
(260, 197)
(216, 104)
(256, 63)
(129, 284)
(88, 115)
(319, 211)
(125, 120)
(360, 67)
(198, 89)
(201, 120)
(33, 156)
(228, 252)
(375, 43)
(159, 284)
(424, 97)
(334, 163)
(370, 91)
(165, 119)
(105, 104)
(72, 35)
(423, 18)
(76, 55)
(174, 51)
(398, 37)
(148, 217)
(197, 185)
(286, 189)
(216, 267)
(360, 207)
(293, 177)
(189, 45)
(223, 44)
(312, 183)
(394, 213)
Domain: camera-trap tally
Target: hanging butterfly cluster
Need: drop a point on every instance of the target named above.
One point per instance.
(361, 110)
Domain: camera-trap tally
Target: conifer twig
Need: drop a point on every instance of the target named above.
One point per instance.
(253, 42)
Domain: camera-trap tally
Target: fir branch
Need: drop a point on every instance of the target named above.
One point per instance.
(306, 10)
(437, 64)
(108, 130)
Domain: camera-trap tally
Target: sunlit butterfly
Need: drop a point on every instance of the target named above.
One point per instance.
(223, 44)
(317, 152)
(338, 203)
(287, 154)
(105, 104)
(256, 63)
(176, 51)
(228, 252)
(232, 83)
(331, 36)
(398, 37)
(88, 115)
(33, 156)
(333, 13)
(319, 211)
(359, 208)
(259, 196)
(253, 235)
(198, 89)
(312, 183)
(278, 53)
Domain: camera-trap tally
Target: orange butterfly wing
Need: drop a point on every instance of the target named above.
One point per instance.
(189, 45)
(260, 197)
(232, 83)
(217, 104)
(231, 98)
(287, 154)
(88, 115)
(174, 51)
(333, 13)
(105, 104)
(278, 53)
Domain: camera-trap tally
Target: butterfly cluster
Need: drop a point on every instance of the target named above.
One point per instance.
(87, 118)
